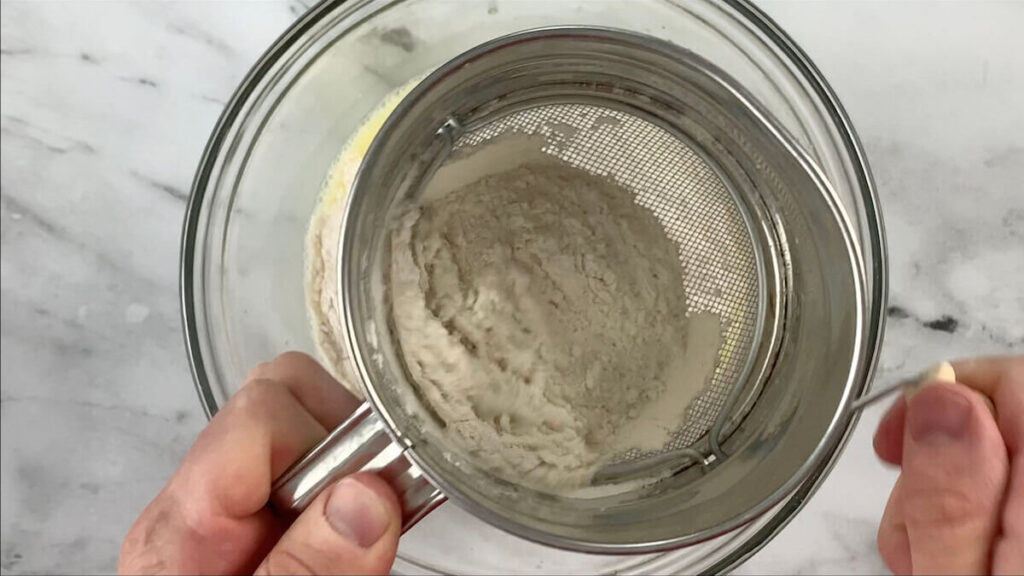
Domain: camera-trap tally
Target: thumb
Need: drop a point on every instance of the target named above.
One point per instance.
(352, 528)
(954, 475)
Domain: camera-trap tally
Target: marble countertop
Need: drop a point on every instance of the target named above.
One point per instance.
(106, 107)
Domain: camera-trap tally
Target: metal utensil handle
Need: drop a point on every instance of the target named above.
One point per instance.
(360, 443)
(943, 371)
(884, 392)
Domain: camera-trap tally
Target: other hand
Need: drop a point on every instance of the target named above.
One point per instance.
(958, 505)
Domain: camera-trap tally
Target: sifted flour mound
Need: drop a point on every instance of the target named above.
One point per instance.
(540, 311)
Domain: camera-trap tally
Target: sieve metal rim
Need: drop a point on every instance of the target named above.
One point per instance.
(467, 59)
(349, 283)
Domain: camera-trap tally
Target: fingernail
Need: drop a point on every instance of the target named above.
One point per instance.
(356, 513)
(941, 372)
(938, 415)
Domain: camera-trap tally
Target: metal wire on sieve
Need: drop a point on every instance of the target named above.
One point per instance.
(697, 211)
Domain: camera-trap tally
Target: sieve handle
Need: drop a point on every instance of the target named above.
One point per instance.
(361, 443)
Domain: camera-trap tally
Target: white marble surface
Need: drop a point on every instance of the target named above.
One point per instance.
(106, 107)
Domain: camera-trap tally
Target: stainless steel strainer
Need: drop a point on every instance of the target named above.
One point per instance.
(762, 243)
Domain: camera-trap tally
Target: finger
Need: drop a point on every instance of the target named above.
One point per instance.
(258, 434)
(325, 398)
(954, 475)
(283, 410)
(888, 439)
(352, 528)
(1002, 380)
(211, 517)
(979, 374)
(893, 540)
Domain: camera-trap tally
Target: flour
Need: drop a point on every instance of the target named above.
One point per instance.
(540, 311)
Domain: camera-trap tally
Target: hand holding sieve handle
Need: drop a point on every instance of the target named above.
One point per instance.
(361, 443)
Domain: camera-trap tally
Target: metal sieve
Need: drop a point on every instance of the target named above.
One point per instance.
(762, 243)
(722, 260)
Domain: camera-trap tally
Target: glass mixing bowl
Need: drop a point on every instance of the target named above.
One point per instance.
(242, 264)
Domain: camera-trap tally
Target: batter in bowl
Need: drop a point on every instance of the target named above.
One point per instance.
(322, 237)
